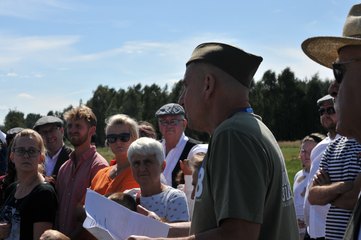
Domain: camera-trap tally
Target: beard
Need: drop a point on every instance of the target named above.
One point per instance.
(78, 140)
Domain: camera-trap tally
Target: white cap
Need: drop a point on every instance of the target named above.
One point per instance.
(198, 148)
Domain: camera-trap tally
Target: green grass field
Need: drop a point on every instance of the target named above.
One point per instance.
(290, 152)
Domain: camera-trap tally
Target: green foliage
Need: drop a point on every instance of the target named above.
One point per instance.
(286, 104)
(14, 119)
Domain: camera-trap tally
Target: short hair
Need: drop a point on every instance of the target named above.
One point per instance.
(81, 112)
(146, 129)
(124, 199)
(315, 137)
(146, 146)
(27, 132)
(123, 119)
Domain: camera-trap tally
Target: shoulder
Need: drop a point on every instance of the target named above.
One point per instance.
(67, 149)
(174, 193)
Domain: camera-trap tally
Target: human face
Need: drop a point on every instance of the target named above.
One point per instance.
(328, 121)
(190, 98)
(79, 132)
(22, 158)
(305, 153)
(119, 148)
(146, 170)
(52, 136)
(348, 100)
(172, 126)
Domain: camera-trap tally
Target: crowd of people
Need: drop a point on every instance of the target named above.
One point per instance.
(234, 187)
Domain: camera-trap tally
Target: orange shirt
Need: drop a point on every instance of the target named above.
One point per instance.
(104, 185)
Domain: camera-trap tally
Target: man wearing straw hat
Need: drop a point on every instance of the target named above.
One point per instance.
(343, 55)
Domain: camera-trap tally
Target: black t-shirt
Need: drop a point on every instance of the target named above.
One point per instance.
(39, 205)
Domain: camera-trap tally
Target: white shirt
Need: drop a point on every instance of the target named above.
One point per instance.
(315, 215)
(173, 157)
(50, 163)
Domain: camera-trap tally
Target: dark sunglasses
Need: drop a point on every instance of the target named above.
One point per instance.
(112, 138)
(329, 111)
(339, 69)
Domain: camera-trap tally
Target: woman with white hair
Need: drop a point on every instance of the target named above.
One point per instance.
(147, 162)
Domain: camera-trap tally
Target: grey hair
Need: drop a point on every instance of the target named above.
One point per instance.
(146, 146)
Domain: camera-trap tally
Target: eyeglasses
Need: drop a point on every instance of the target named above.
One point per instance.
(32, 152)
(50, 131)
(172, 122)
(112, 138)
(329, 111)
(339, 69)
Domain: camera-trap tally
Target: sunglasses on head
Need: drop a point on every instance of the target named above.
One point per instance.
(112, 138)
(339, 69)
(329, 111)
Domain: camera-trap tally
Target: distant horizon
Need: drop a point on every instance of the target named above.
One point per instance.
(55, 52)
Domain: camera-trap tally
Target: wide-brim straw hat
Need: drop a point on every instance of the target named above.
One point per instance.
(324, 49)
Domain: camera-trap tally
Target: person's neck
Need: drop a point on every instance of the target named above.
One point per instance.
(121, 159)
(151, 190)
(332, 134)
(80, 150)
(26, 179)
(223, 114)
(170, 144)
(52, 153)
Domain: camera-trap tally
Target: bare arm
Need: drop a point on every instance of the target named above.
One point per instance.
(348, 200)
(322, 191)
(53, 235)
(229, 229)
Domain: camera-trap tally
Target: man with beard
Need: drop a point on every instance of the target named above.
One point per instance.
(51, 129)
(315, 215)
(76, 174)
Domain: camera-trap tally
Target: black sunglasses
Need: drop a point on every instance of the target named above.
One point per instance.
(339, 69)
(112, 138)
(329, 111)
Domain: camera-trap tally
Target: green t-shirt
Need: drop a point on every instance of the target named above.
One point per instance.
(243, 176)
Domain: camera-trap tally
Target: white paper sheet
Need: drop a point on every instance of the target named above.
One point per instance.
(108, 220)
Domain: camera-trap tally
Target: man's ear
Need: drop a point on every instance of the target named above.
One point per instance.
(11, 156)
(92, 130)
(209, 85)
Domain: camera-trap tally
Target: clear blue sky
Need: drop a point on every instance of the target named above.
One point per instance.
(55, 52)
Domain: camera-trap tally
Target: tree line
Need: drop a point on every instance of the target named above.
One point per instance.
(286, 104)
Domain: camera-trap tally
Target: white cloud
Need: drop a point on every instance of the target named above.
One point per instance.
(11, 74)
(25, 96)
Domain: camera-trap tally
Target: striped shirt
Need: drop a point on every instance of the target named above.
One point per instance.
(342, 162)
